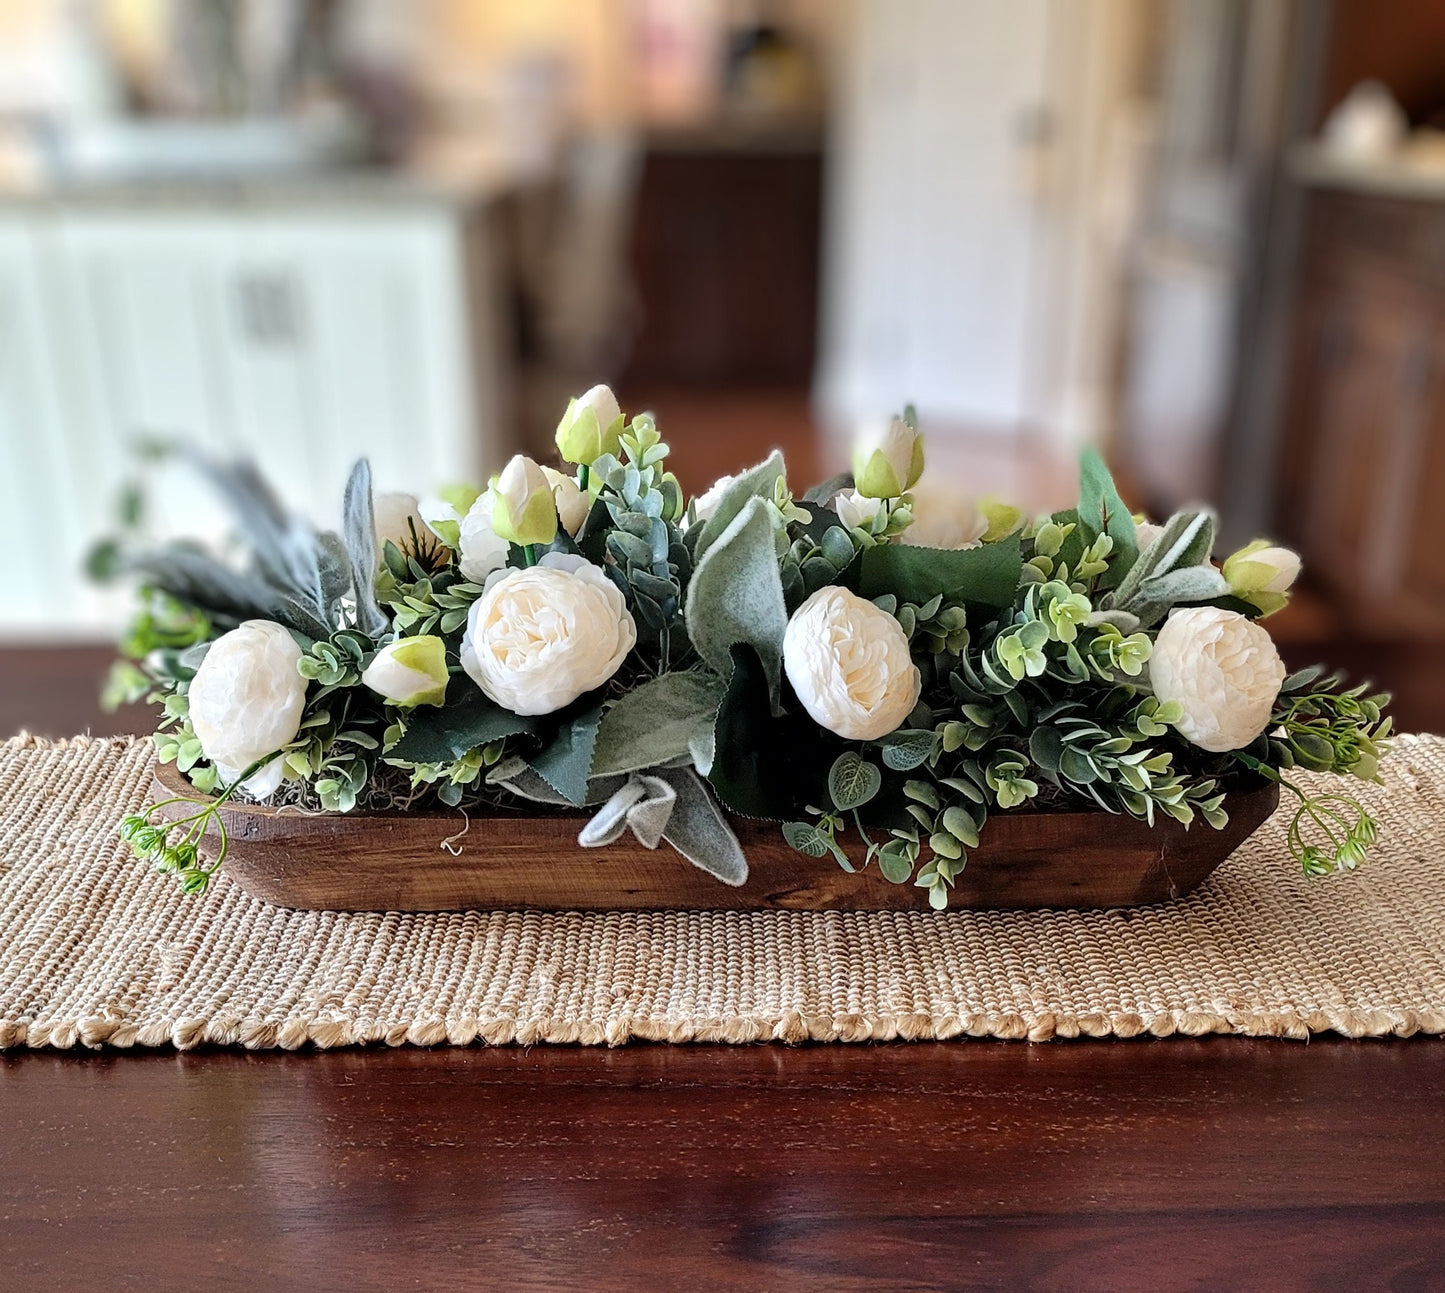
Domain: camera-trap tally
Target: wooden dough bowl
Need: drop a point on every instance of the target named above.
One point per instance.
(396, 862)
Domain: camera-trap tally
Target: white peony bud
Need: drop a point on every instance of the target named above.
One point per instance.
(397, 519)
(887, 460)
(855, 510)
(1260, 567)
(409, 671)
(539, 638)
(1223, 670)
(1146, 533)
(705, 504)
(849, 663)
(523, 509)
(945, 517)
(443, 511)
(482, 550)
(572, 502)
(246, 700)
(591, 427)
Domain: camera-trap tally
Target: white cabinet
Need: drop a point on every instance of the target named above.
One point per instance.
(303, 337)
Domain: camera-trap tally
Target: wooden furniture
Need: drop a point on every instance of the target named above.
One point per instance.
(394, 862)
(1215, 1164)
(1362, 472)
(725, 254)
(1218, 1163)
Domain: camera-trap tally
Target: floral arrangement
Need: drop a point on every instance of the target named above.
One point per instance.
(880, 655)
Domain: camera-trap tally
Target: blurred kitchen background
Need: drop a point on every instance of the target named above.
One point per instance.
(1208, 235)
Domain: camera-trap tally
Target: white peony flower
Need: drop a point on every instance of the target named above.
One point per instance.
(849, 663)
(572, 502)
(887, 459)
(395, 516)
(409, 671)
(1222, 669)
(944, 517)
(855, 510)
(539, 638)
(705, 504)
(246, 701)
(482, 550)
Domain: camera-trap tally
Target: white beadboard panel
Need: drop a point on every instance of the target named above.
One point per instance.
(301, 337)
(46, 476)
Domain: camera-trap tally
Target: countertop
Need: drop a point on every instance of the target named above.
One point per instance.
(1393, 178)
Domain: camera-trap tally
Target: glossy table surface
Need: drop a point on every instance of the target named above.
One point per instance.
(1216, 1163)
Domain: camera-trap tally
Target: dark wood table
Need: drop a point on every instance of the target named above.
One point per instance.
(1216, 1164)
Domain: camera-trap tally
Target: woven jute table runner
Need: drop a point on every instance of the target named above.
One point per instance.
(97, 949)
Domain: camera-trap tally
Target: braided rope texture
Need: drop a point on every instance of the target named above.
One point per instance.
(97, 949)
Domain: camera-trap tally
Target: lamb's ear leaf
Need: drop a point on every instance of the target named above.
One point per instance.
(821, 493)
(1187, 540)
(359, 526)
(756, 482)
(698, 830)
(657, 722)
(736, 595)
(1102, 511)
(440, 734)
(565, 763)
(1158, 594)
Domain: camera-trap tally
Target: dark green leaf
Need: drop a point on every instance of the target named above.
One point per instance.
(439, 735)
(988, 575)
(1102, 511)
(566, 763)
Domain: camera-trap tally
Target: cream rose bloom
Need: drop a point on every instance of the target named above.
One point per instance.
(572, 502)
(246, 701)
(849, 663)
(482, 550)
(539, 638)
(396, 519)
(944, 517)
(706, 503)
(856, 510)
(1223, 669)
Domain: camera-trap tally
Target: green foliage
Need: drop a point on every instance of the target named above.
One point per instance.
(988, 575)
(634, 533)
(736, 594)
(661, 720)
(1102, 513)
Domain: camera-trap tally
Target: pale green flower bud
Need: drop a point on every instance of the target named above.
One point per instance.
(591, 427)
(887, 465)
(523, 510)
(1262, 574)
(409, 671)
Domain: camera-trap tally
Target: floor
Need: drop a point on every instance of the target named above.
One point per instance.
(1160, 1165)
